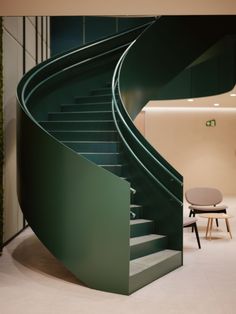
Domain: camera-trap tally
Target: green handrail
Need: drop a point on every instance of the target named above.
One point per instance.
(116, 109)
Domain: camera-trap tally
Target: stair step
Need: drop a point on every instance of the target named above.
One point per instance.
(103, 158)
(137, 209)
(85, 135)
(147, 244)
(75, 116)
(94, 98)
(78, 125)
(141, 227)
(103, 106)
(94, 146)
(116, 169)
(146, 269)
(101, 91)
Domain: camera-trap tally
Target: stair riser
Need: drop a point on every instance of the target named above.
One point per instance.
(92, 99)
(138, 212)
(77, 126)
(94, 147)
(73, 116)
(148, 247)
(86, 107)
(118, 170)
(104, 159)
(85, 136)
(102, 91)
(149, 275)
(146, 228)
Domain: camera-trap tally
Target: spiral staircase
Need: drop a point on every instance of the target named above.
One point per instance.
(93, 190)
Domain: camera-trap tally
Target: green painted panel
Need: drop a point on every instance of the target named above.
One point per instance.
(80, 211)
(74, 207)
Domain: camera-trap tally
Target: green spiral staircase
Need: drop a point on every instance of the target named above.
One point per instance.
(93, 190)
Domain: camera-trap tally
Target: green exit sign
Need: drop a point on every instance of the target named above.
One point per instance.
(211, 122)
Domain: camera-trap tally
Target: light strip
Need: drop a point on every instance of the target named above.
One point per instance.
(163, 109)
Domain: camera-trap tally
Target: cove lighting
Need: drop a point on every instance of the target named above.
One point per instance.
(188, 109)
(216, 105)
(233, 95)
(190, 99)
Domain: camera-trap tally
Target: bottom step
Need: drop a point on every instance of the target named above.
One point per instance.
(146, 269)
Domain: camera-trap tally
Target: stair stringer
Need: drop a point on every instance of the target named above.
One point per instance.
(78, 210)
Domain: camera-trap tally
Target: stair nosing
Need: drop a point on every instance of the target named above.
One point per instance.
(72, 112)
(146, 238)
(139, 221)
(108, 142)
(144, 264)
(86, 104)
(83, 131)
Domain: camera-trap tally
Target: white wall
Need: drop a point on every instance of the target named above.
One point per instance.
(205, 156)
(13, 52)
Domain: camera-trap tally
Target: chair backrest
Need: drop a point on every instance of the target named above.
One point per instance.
(203, 196)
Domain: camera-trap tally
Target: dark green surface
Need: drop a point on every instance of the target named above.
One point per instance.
(78, 210)
(1, 140)
(169, 46)
(66, 189)
(212, 73)
(149, 246)
(73, 31)
(142, 228)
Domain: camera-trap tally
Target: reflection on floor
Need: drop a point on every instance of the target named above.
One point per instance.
(32, 281)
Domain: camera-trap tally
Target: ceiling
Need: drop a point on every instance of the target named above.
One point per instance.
(114, 7)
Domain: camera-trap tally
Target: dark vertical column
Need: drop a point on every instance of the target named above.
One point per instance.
(36, 40)
(1, 137)
(42, 26)
(23, 71)
(24, 48)
(46, 37)
(84, 29)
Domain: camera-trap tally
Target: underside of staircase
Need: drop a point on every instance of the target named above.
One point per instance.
(94, 191)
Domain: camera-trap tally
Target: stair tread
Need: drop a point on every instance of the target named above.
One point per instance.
(142, 263)
(80, 121)
(135, 206)
(139, 221)
(80, 112)
(92, 153)
(85, 131)
(93, 95)
(110, 165)
(112, 142)
(88, 103)
(145, 238)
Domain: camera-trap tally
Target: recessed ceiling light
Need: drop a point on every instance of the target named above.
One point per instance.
(190, 99)
(216, 105)
(233, 95)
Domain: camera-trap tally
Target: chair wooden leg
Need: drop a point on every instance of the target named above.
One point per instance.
(197, 235)
(211, 222)
(217, 223)
(227, 225)
(207, 228)
(228, 228)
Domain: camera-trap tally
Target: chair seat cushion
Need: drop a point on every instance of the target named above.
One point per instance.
(208, 208)
(189, 221)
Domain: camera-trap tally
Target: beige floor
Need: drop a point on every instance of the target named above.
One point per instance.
(32, 281)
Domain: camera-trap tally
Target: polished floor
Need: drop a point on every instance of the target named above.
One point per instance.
(33, 282)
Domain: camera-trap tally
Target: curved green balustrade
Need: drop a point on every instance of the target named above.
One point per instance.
(78, 209)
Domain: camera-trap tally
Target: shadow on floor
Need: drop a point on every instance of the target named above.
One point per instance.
(34, 255)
